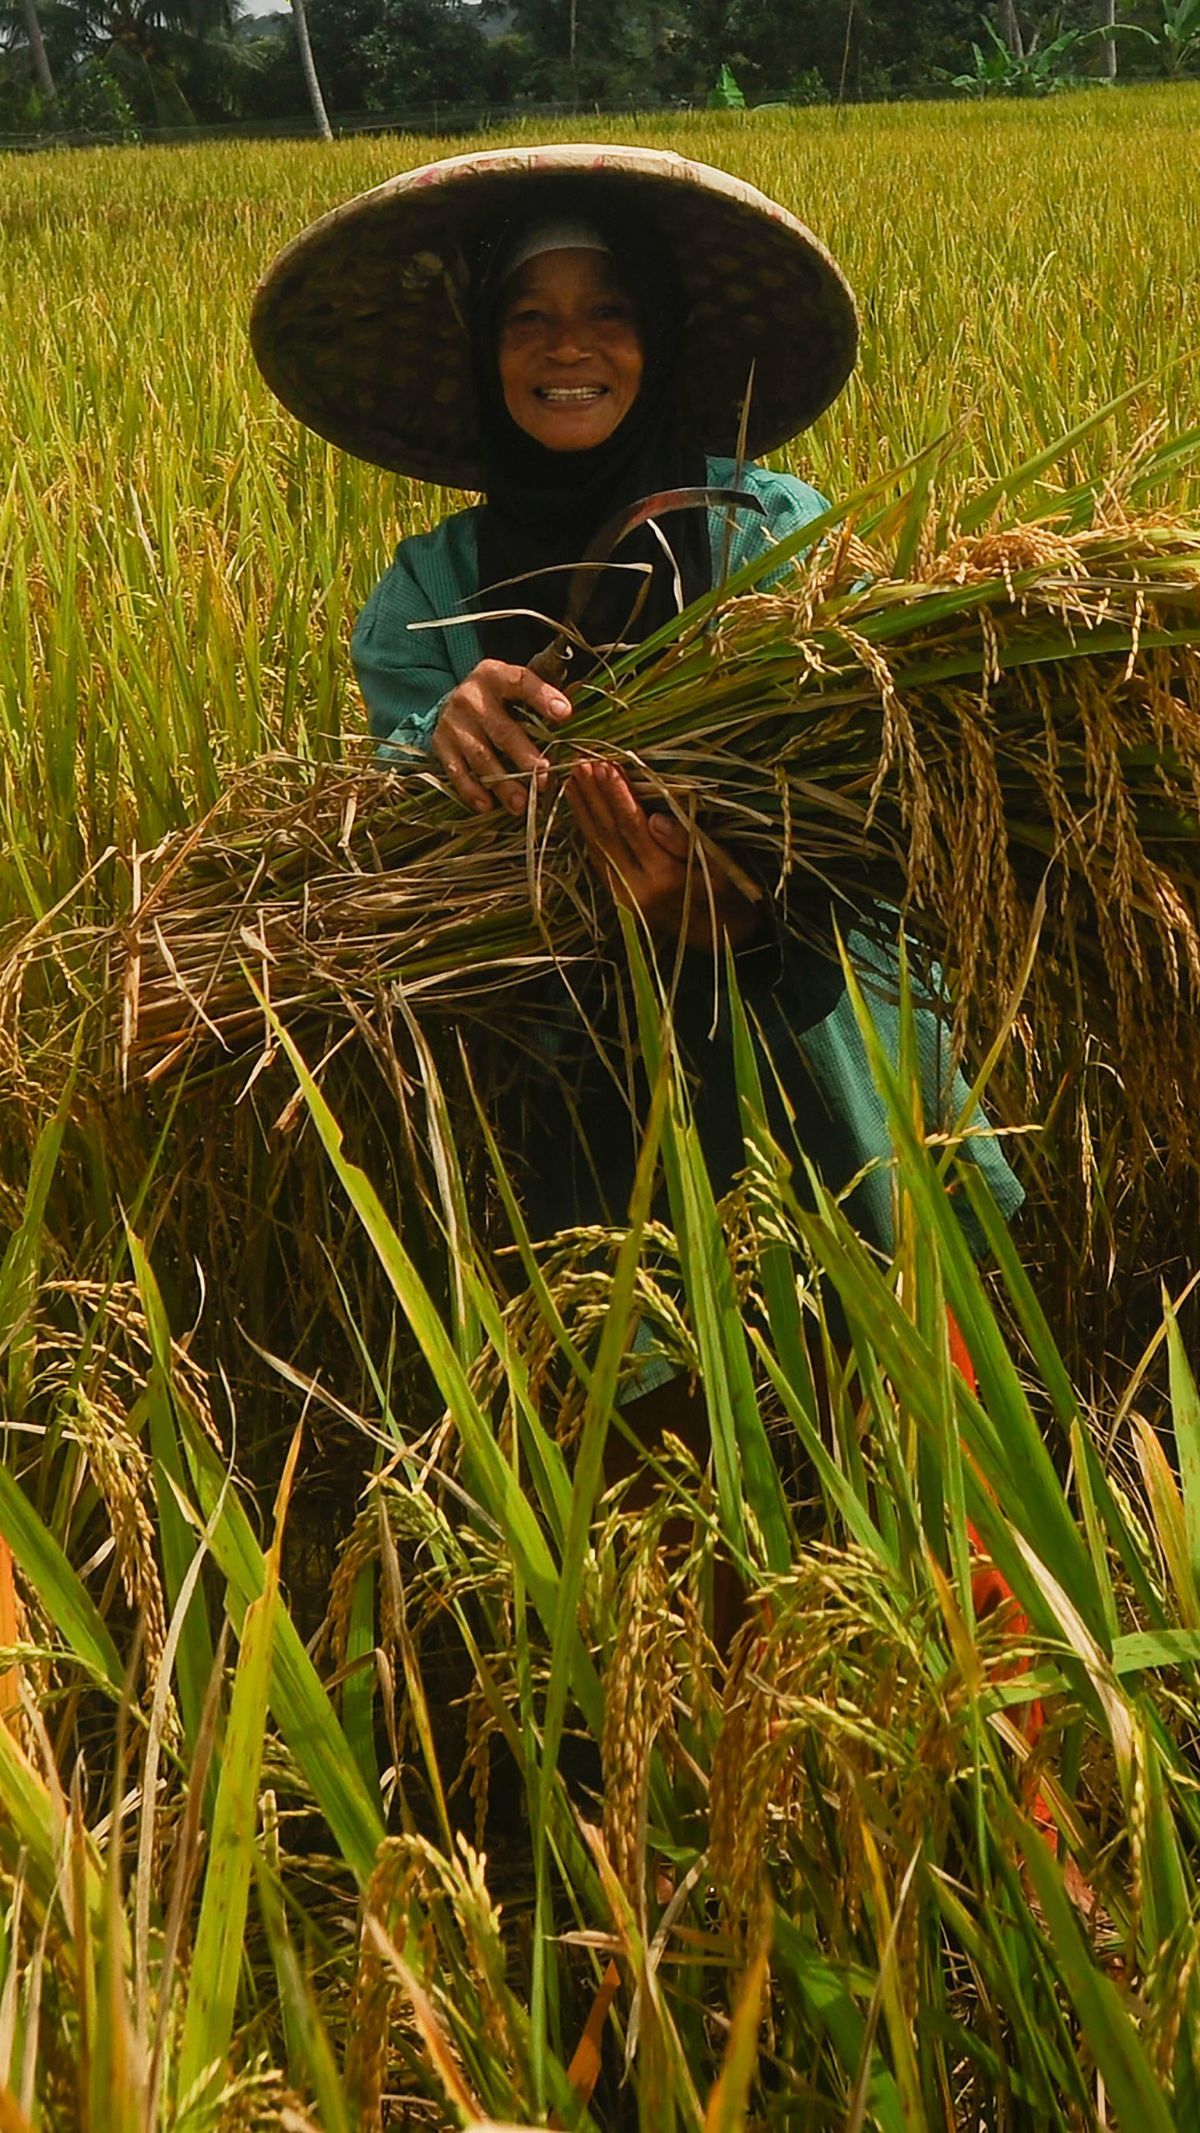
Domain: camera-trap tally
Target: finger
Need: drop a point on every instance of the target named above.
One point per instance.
(670, 833)
(509, 738)
(475, 750)
(449, 755)
(581, 799)
(444, 746)
(614, 822)
(508, 684)
(469, 790)
(634, 826)
(543, 697)
(497, 678)
(580, 789)
(607, 852)
(612, 800)
(626, 809)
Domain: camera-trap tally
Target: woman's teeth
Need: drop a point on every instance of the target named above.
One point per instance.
(570, 393)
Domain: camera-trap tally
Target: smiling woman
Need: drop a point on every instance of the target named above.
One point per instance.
(577, 329)
(572, 331)
(570, 349)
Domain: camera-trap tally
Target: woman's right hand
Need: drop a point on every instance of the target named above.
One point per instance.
(480, 743)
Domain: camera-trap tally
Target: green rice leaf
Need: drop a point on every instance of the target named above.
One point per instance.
(218, 1954)
(744, 1465)
(194, 1651)
(501, 1489)
(830, 2006)
(1185, 1416)
(307, 2031)
(23, 1253)
(1131, 2081)
(60, 1591)
(1012, 482)
(1140, 1649)
(33, 1833)
(298, 1699)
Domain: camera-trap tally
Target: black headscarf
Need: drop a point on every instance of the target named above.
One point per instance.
(542, 507)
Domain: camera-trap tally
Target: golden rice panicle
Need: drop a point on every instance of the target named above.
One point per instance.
(374, 1990)
(637, 1690)
(478, 1919)
(1004, 552)
(741, 1784)
(483, 1727)
(120, 1470)
(460, 1959)
(359, 1548)
(1171, 1992)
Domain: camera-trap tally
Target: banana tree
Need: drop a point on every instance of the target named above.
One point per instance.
(1175, 38)
(1042, 70)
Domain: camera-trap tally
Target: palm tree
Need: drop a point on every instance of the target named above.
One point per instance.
(41, 65)
(309, 69)
(1108, 21)
(169, 56)
(1010, 28)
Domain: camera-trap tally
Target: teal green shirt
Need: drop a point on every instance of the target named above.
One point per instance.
(405, 674)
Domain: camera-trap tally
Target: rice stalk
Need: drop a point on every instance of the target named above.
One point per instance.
(1025, 714)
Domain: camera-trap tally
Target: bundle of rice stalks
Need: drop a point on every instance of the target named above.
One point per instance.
(1009, 738)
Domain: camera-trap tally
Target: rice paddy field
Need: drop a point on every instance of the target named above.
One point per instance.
(371, 1756)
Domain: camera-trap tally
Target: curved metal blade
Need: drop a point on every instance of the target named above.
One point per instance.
(552, 663)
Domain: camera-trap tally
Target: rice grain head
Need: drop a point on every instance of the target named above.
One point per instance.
(638, 1683)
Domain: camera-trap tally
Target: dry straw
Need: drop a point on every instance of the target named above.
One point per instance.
(1021, 720)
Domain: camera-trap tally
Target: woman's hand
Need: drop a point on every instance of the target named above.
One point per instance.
(644, 860)
(479, 743)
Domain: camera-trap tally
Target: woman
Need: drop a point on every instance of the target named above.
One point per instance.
(576, 335)
(571, 331)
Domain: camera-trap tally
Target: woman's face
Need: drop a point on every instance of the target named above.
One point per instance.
(570, 353)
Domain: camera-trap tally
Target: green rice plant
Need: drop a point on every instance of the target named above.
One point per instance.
(839, 1822)
(1002, 744)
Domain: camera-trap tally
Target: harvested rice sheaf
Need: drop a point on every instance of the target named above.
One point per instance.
(1009, 741)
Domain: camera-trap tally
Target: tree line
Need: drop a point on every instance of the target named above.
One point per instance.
(125, 66)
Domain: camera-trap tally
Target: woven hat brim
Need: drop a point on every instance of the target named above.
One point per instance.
(359, 325)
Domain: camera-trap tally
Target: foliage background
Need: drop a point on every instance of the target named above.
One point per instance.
(120, 65)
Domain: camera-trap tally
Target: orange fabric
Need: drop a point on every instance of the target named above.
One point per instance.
(960, 1354)
(991, 1591)
(584, 2070)
(10, 1679)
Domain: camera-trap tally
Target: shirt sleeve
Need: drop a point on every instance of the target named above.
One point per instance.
(790, 504)
(837, 1058)
(404, 674)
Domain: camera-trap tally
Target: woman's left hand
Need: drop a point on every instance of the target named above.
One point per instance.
(644, 859)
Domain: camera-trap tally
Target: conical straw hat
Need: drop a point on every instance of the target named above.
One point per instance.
(359, 325)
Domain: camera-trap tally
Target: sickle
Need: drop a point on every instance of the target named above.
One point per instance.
(552, 664)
